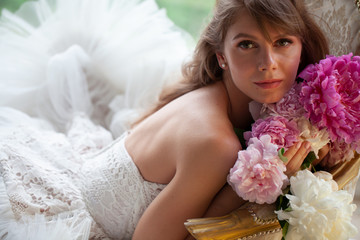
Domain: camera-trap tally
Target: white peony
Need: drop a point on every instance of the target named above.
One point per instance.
(317, 138)
(327, 177)
(317, 212)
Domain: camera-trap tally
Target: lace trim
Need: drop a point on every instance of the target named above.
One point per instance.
(357, 3)
(6, 215)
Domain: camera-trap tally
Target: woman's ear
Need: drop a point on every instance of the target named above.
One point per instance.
(221, 60)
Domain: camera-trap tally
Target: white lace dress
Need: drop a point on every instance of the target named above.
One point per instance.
(114, 190)
(53, 186)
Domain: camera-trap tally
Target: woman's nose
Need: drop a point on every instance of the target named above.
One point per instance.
(267, 60)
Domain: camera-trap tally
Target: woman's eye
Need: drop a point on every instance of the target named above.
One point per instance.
(247, 44)
(283, 42)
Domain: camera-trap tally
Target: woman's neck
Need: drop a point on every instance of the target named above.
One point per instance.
(238, 107)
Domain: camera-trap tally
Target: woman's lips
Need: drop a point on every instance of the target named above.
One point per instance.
(268, 84)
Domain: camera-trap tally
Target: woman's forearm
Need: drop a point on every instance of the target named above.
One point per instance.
(224, 202)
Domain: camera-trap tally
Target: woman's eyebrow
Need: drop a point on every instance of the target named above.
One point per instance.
(246, 35)
(283, 35)
(243, 35)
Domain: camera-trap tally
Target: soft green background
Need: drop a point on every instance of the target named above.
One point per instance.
(190, 15)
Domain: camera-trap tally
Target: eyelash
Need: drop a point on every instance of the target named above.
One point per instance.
(279, 43)
(284, 40)
(245, 44)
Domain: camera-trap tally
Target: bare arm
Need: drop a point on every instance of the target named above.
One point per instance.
(225, 202)
(200, 174)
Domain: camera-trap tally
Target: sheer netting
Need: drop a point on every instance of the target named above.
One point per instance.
(109, 59)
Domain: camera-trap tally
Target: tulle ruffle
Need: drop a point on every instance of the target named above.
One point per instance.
(103, 58)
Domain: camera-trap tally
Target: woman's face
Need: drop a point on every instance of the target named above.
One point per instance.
(261, 69)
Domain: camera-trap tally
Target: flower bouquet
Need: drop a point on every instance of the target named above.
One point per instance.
(324, 109)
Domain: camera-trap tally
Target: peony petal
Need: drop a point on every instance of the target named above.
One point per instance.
(331, 95)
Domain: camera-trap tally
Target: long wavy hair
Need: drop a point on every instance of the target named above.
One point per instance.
(289, 16)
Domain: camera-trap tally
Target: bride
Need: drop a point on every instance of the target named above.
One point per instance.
(72, 165)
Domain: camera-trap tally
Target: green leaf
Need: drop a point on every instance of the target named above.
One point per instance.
(281, 155)
(282, 223)
(308, 160)
(279, 202)
(289, 209)
(286, 190)
(282, 202)
(285, 229)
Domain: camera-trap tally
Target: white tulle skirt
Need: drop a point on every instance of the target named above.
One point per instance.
(108, 59)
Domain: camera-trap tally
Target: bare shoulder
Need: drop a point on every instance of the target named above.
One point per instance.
(209, 134)
(211, 147)
(189, 133)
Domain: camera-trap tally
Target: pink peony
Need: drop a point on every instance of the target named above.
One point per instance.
(258, 174)
(289, 106)
(331, 96)
(339, 152)
(283, 133)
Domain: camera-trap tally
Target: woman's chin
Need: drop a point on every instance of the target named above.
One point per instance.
(269, 100)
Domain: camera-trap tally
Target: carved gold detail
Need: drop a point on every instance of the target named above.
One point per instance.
(345, 172)
(248, 222)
